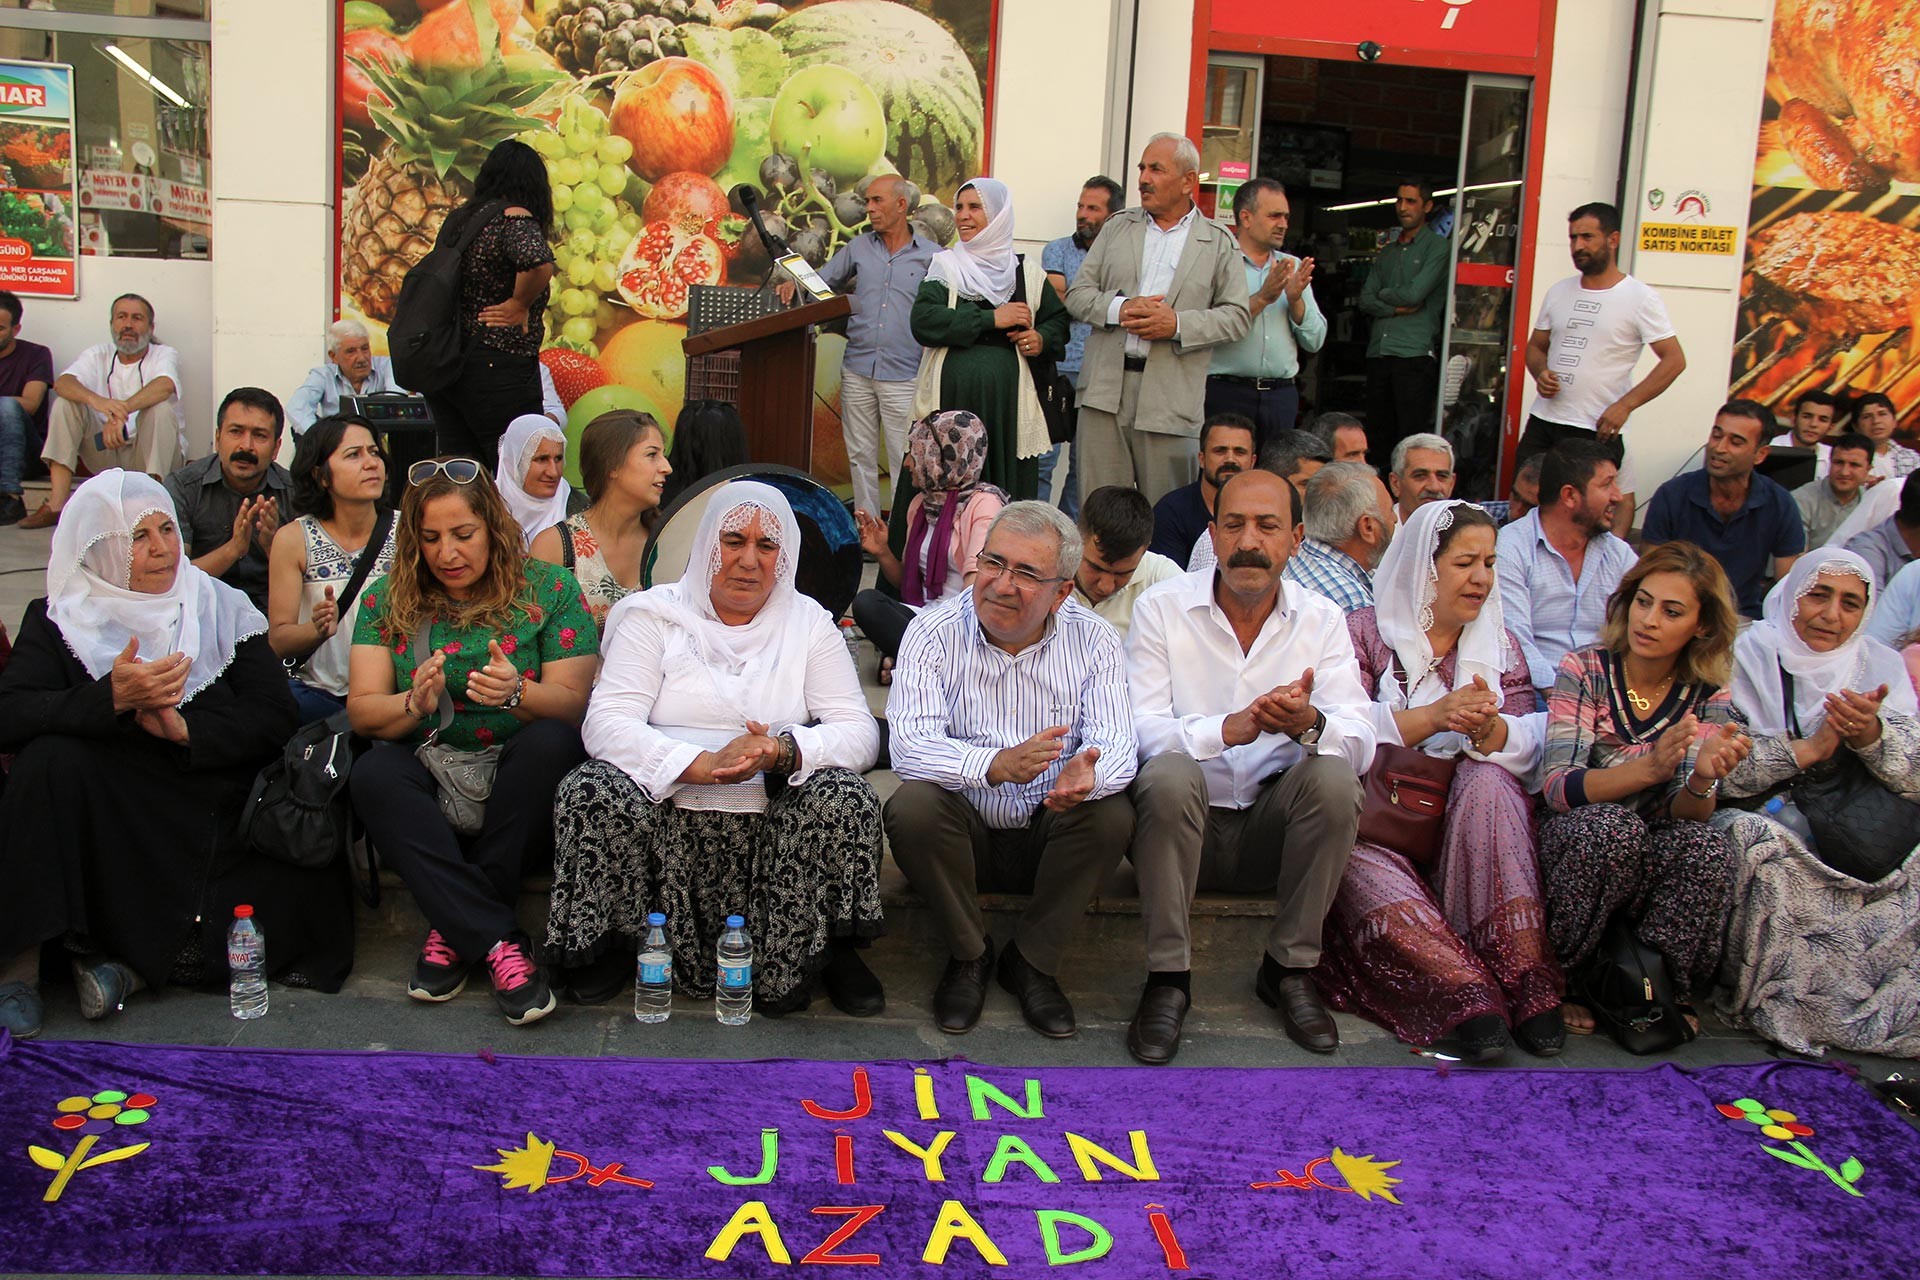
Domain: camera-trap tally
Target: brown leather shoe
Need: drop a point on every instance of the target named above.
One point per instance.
(1154, 1036)
(44, 517)
(1302, 1014)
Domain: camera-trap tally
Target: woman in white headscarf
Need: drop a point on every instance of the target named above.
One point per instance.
(141, 699)
(532, 474)
(728, 734)
(1459, 947)
(1822, 950)
(983, 312)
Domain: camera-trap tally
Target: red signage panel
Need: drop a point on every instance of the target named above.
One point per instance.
(1504, 27)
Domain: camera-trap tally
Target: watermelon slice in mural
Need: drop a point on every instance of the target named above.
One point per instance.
(649, 113)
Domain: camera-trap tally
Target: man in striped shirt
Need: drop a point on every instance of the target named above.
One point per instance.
(1013, 740)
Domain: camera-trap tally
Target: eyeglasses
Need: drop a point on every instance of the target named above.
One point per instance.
(1024, 579)
(458, 470)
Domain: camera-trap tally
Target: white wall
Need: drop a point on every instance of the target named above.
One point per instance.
(1043, 148)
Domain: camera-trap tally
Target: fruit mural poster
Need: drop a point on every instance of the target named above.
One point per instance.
(38, 192)
(1832, 264)
(648, 114)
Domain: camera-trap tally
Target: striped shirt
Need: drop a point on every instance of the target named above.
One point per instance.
(957, 701)
(1332, 573)
(1549, 613)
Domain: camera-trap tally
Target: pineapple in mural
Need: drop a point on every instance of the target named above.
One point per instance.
(439, 123)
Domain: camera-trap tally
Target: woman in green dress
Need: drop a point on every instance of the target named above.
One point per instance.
(999, 315)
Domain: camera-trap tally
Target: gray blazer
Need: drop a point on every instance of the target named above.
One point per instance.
(1210, 294)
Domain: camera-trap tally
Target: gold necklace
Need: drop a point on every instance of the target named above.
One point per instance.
(1641, 704)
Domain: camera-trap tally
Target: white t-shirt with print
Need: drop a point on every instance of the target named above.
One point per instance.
(1598, 335)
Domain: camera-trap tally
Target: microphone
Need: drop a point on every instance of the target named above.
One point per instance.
(748, 197)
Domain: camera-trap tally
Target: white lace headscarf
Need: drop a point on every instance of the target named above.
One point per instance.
(89, 600)
(1403, 590)
(522, 439)
(983, 267)
(1763, 649)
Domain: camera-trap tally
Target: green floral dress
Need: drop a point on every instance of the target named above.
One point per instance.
(559, 625)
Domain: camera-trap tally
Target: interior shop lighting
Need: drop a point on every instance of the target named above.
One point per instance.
(1443, 191)
(139, 72)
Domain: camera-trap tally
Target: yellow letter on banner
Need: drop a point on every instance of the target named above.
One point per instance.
(750, 1218)
(1085, 1153)
(956, 1223)
(928, 1155)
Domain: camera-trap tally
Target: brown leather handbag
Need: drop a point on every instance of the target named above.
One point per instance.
(1405, 804)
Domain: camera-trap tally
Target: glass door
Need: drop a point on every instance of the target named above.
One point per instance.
(1230, 129)
(1486, 241)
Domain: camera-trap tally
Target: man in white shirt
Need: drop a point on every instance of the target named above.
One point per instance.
(117, 406)
(351, 370)
(1013, 740)
(1813, 415)
(1586, 341)
(1249, 710)
(1875, 418)
(1896, 614)
(1115, 565)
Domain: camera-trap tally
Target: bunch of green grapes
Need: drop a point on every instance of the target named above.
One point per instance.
(592, 190)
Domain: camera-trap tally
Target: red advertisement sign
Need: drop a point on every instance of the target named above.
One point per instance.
(38, 200)
(1506, 27)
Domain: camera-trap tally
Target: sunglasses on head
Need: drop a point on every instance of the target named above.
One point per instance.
(458, 470)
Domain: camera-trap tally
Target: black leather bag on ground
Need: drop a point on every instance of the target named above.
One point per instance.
(299, 811)
(1861, 827)
(1625, 985)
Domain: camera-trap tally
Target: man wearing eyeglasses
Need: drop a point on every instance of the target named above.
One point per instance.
(1013, 740)
(1253, 728)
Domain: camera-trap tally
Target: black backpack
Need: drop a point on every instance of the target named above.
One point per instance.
(424, 338)
(299, 811)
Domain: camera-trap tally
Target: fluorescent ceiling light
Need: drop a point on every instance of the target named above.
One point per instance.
(1444, 191)
(139, 72)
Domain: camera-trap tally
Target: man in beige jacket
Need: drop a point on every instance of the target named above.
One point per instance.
(1162, 287)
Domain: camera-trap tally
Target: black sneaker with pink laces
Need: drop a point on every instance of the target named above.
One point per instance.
(519, 988)
(440, 973)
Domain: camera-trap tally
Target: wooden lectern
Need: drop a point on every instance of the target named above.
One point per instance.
(775, 393)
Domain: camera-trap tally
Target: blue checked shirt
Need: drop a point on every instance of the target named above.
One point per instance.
(1549, 613)
(1332, 573)
(957, 701)
(1063, 257)
(880, 343)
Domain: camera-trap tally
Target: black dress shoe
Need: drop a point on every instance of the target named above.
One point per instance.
(1544, 1035)
(851, 985)
(1154, 1036)
(1302, 1015)
(1042, 1003)
(795, 1001)
(962, 992)
(1482, 1039)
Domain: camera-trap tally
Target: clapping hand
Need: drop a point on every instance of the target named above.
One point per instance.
(1293, 706)
(1265, 714)
(266, 522)
(429, 682)
(1670, 749)
(326, 616)
(1469, 707)
(750, 753)
(1724, 748)
(494, 683)
(1025, 761)
(139, 685)
(1297, 279)
(244, 522)
(1856, 716)
(166, 723)
(1075, 782)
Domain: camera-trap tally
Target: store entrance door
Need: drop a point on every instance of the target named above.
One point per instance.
(1478, 339)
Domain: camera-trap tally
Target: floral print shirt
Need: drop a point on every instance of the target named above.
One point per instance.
(557, 626)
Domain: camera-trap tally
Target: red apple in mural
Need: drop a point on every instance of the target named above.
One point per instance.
(368, 44)
(678, 116)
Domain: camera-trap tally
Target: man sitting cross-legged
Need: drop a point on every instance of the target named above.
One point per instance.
(1013, 739)
(1249, 710)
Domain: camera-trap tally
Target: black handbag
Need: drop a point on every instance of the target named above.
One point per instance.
(299, 811)
(1861, 827)
(1625, 985)
(1054, 389)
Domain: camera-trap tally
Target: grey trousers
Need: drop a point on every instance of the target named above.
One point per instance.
(950, 855)
(1294, 839)
(1113, 450)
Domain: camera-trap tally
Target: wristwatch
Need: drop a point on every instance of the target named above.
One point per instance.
(1310, 737)
(519, 691)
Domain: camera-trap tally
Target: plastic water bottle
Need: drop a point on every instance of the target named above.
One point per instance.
(246, 965)
(653, 981)
(733, 989)
(852, 637)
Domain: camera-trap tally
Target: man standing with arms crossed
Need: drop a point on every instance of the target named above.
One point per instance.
(1405, 293)
(1585, 344)
(1162, 287)
(1100, 199)
(1255, 376)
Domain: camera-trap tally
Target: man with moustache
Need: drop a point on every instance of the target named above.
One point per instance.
(1062, 259)
(1422, 473)
(1559, 563)
(1405, 293)
(1250, 715)
(118, 405)
(1181, 517)
(1161, 289)
(232, 501)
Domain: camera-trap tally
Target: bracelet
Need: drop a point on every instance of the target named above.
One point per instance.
(406, 701)
(789, 761)
(519, 691)
(1686, 785)
(1486, 731)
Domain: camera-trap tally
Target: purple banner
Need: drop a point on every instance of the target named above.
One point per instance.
(124, 1158)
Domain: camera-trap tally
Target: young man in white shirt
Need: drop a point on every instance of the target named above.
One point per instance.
(1013, 739)
(1813, 415)
(1247, 704)
(1586, 341)
(1115, 565)
(117, 406)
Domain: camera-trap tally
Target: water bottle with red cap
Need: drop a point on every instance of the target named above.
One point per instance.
(246, 965)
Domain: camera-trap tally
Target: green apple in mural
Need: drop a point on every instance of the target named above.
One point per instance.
(828, 115)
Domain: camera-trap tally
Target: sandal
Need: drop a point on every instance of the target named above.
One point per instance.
(884, 676)
(1577, 1019)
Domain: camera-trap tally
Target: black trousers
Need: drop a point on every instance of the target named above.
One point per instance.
(1542, 435)
(493, 390)
(883, 619)
(1401, 391)
(1273, 410)
(467, 885)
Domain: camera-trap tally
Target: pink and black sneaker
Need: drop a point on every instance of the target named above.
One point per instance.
(440, 974)
(519, 988)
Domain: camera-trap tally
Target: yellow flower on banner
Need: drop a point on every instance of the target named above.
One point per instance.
(526, 1166)
(1365, 1176)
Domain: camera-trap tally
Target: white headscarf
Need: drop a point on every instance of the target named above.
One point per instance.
(1763, 649)
(89, 600)
(1403, 591)
(517, 447)
(984, 266)
(750, 664)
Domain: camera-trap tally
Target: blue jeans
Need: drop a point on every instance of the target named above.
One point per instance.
(314, 704)
(14, 425)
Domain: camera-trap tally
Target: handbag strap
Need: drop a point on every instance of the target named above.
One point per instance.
(1786, 691)
(363, 564)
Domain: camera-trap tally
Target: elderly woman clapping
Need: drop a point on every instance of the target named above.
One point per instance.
(142, 697)
(729, 733)
(1825, 927)
(1459, 947)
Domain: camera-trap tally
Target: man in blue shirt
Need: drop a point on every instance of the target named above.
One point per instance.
(886, 265)
(1099, 199)
(1746, 521)
(1255, 376)
(351, 370)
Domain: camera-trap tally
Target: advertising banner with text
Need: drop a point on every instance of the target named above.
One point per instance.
(37, 180)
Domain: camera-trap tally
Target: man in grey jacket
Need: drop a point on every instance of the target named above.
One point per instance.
(1162, 287)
